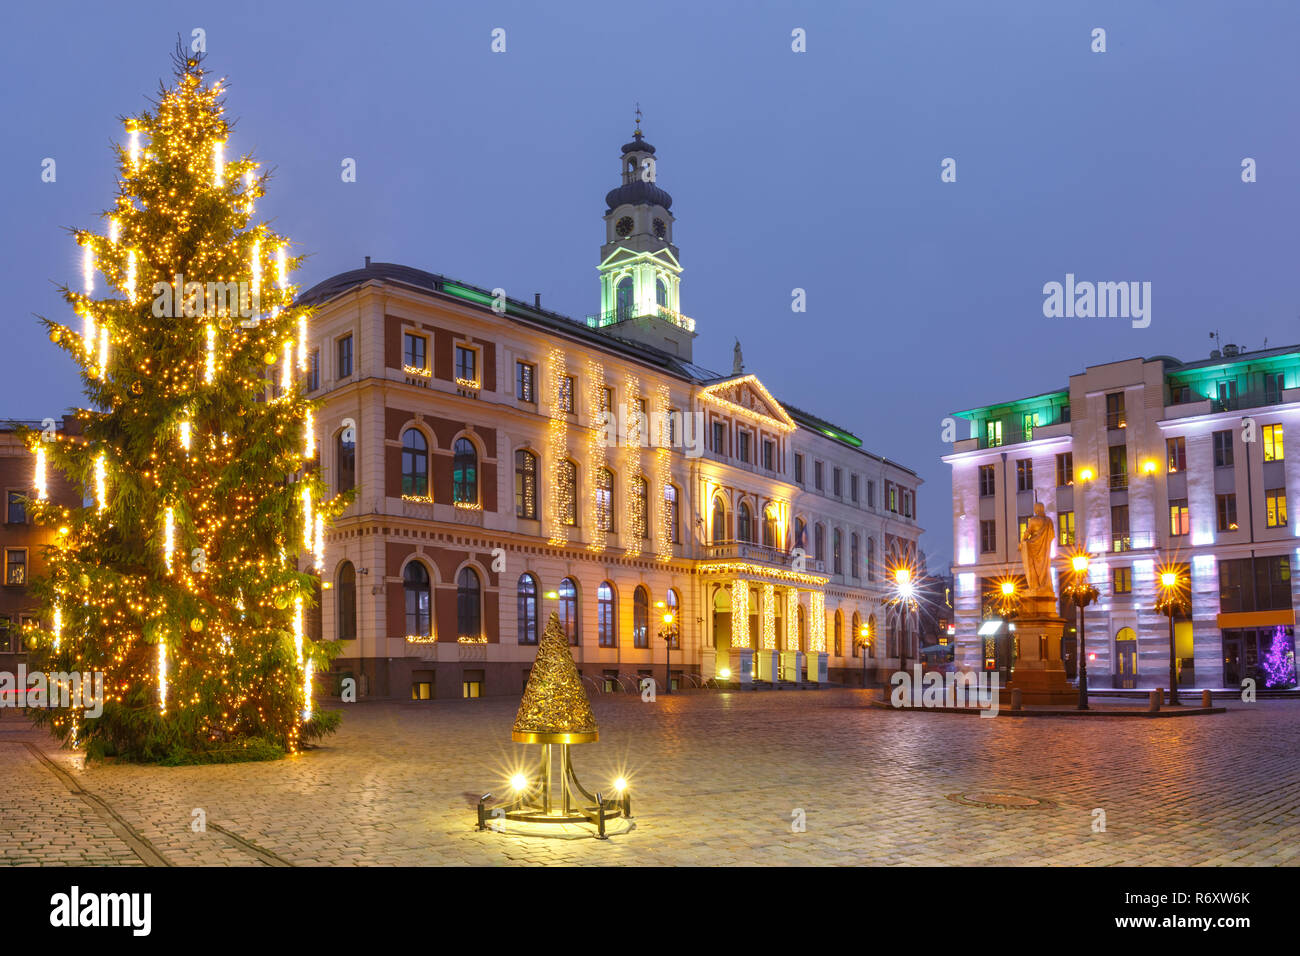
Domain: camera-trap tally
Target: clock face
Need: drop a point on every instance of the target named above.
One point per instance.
(660, 229)
(624, 226)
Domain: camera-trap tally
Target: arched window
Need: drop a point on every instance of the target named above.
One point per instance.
(415, 583)
(800, 534)
(640, 508)
(855, 635)
(819, 542)
(568, 609)
(673, 605)
(839, 634)
(566, 478)
(415, 463)
(623, 298)
(525, 484)
(769, 527)
(605, 633)
(345, 603)
(345, 453)
(605, 500)
(719, 521)
(853, 556)
(464, 472)
(469, 605)
(670, 512)
(661, 292)
(744, 524)
(871, 634)
(640, 617)
(837, 550)
(871, 559)
(527, 609)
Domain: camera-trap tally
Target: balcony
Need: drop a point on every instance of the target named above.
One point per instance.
(758, 554)
(1116, 420)
(600, 320)
(1128, 541)
(1119, 482)
(1014, 435)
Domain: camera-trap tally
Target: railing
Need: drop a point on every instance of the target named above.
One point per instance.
(762, 553)
(1254, 399)
(1119, 482)
(1128, 541)
(1116, 420)
(599, 320)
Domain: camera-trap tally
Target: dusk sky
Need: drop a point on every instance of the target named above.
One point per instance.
(817, 170)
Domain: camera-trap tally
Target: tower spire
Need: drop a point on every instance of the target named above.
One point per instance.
(637, 132)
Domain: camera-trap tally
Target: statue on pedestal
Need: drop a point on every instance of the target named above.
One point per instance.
(1036, 553)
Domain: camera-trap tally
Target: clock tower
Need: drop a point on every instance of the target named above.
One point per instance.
(640, 272)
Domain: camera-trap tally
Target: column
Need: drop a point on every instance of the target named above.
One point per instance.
(767, 657)
(741, 656)
(817, 657)
(792, 657)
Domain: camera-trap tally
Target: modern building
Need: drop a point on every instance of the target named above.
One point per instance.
(1150, 465)
(508, 461)
(22, 543)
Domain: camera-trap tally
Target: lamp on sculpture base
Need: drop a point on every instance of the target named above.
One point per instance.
(555, 712)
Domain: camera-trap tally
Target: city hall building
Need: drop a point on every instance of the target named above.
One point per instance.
(508, 461)
(1148, 465)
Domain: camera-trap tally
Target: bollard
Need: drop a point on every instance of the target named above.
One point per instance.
(1206, 699)
(1153, 704)
(1015, 698)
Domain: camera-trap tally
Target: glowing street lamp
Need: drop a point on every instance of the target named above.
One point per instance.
(669, 634)
(903, 602)
(1172, 600)
(864, 639)
(1082, 593)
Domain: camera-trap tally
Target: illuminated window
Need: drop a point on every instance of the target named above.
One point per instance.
(719, 521)
(1273, 443)
(1065, 469)
(1180, 522)
(15, 566)
(525, 382)
(567, 389)
(464, 472)
(1275, 507)
(469, 604)
(1177, 454)
(566, 477)
(640, 617)
(670, 512)
(525, 484)
(1065, 528)
(1121, 580)
(527, 616)
(605, 500)
(415, 585)
(1226, 505)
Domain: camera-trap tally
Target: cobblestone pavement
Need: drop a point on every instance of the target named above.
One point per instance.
(715, 779)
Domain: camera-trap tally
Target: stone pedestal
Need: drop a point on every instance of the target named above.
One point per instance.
(740, 661)
(1039, 673)
(792, 665)
(817, 667)
(766, 663)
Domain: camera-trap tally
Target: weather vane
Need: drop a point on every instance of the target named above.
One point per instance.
(638, 119)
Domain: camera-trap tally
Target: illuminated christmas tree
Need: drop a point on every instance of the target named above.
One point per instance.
(1279, 662)
(180, 580)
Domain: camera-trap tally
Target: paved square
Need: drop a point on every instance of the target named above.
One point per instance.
(716, 778)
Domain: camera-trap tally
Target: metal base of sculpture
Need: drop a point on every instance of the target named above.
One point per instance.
(540, 802)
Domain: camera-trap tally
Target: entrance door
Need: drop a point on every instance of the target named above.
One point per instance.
(1126, 646)
(1231, 660)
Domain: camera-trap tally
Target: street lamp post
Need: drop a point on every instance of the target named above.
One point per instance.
(1082, 593)
(903, 602)
(1171, 601)
(668, 632)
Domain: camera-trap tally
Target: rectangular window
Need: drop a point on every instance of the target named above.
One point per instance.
(567, 389)
(1119, 466)
(1226, 505)
(607, 399)
(415, 351)
(892, 491)
(1176, 449)
(344, 351)
(1273, 443)
(993, 434)
(1273, 386)
(1065, 469)
(467, 365)
(421, 690)
(742, 437)
(720, 438)
(8, 636)
(526, 382)
(1275, 507)
(1065, 528)
(15, 513)
(525, 485)
(988, 536)
(313, 370)
(1115, 416)
(853, 488)
(1180, 521)
(1223, 448)
(988, 481)
(798, 468)
(769, 455)
(837, 483)
(871, 494)
(16, 566)
(471, 688)
(1179, 394)
(1024, 474)
(817, 475)
(1119, 536)
(1121, 580)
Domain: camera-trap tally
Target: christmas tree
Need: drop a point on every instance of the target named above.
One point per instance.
(180, 580)
(1279, 662)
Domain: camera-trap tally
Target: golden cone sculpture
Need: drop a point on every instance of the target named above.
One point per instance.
(555, 708)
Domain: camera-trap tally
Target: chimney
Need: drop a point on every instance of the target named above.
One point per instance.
(1230, 351)
(537, 300)
(367, 262)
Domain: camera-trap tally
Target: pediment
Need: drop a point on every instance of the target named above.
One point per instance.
(746, 395)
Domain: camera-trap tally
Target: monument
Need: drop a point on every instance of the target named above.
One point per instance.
(1039, 673)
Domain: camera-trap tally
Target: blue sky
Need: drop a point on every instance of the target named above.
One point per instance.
(817, 170)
